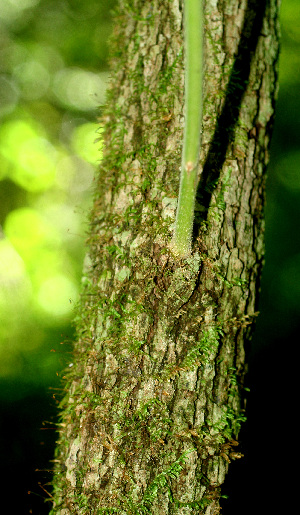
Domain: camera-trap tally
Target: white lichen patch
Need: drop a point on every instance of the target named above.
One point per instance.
(147, 392)
(137, 242)
(71, 461)
(169, 208)
(122, 274)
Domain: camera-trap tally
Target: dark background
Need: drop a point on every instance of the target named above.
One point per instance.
(53, 71)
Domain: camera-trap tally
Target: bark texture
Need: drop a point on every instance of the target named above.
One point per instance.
(153, 406)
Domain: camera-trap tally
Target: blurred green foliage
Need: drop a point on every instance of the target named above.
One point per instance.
(53, 75)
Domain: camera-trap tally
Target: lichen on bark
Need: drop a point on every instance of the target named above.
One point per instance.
(154, 401)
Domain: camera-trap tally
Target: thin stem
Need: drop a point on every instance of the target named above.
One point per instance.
(193, 42)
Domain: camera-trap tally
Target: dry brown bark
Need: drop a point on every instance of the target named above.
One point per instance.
(154, 397)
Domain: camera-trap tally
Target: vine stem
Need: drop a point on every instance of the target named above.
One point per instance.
(193, 103)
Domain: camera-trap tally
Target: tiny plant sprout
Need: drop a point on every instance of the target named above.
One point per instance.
(193, 44)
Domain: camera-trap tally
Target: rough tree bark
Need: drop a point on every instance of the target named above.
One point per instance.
(154, 398)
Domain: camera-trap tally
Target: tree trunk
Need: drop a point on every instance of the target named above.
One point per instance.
(154, 396)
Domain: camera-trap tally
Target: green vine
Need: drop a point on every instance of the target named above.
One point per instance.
(193, 43)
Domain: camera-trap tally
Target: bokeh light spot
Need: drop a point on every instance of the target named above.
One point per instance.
(9, 95)
(80, 89)
(57, 295)
(27, 231)
(87, 142)
(33, 78)
(30, 158)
